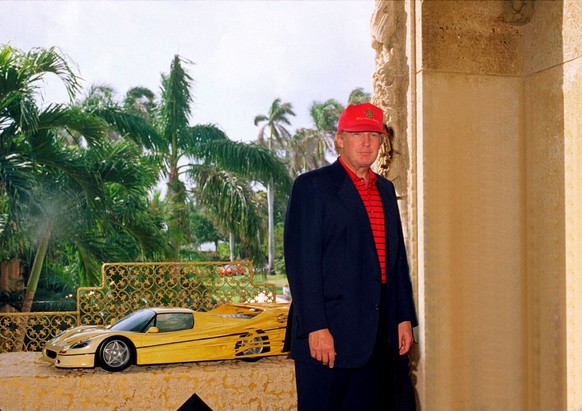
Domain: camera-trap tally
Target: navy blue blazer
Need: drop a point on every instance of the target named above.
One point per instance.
(333, 269)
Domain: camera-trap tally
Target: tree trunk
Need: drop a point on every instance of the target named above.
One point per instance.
(31, 287)
(32, 283)
(177, 224)
(231, 245)
(271, 226)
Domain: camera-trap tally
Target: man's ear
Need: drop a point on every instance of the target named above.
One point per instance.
(339, 140)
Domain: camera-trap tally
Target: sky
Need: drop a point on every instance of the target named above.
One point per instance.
(244, 54)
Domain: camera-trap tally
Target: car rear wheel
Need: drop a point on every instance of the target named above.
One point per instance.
(115, 354)
(251, 345)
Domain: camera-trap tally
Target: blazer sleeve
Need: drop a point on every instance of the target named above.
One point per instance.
(303, 259)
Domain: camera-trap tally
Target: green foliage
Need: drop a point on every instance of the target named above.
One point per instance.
(63, 182)
(279, 253)
(203, 229)
(83, 176)
(56, 290)
(359, 96)
(274, 134)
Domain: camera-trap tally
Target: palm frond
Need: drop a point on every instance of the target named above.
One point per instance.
(204, 134)
(90, 268)
(15, 177)
(40, 61)
(359, 96)
(176, 99)
(250, 160)
(231, 200)
(74, 120)
(277, 117)
(141, 102)
(122, 162)
(260, 118)
(307, 150)
(47, 151)
(325, 115)
(132, 127)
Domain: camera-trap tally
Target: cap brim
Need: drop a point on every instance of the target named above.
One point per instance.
(370, 128)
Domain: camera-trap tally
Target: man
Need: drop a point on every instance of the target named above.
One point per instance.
(352, 312)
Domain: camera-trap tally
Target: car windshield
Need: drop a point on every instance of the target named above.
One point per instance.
(137, 321)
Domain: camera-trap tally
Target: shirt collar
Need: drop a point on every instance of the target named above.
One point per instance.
(354, 177)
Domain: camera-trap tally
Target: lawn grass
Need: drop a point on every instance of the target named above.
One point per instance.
(278, 279)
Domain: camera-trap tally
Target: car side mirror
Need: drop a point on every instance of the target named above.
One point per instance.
(153, 330)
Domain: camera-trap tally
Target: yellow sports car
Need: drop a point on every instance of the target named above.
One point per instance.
(172, 335)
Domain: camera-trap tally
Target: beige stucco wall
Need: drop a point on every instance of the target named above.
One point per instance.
(573, 221)
(473, 199)
(494, 201)
(473, 238)
(544, 140)
(553, 91)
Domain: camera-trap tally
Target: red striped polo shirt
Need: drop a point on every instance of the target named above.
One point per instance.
(371, 199)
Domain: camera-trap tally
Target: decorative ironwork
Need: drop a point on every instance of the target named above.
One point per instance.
(127, 287)
(29, 331)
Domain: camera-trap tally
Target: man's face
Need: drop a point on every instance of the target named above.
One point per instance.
(359, 150)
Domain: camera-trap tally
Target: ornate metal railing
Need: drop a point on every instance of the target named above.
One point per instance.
(129, 286)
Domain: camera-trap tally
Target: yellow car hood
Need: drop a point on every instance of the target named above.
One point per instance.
(80, 333)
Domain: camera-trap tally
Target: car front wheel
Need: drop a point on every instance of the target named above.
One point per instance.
(115, 354)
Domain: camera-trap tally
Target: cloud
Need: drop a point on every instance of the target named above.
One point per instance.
(245, 53)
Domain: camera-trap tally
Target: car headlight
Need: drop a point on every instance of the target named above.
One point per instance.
(81, 344)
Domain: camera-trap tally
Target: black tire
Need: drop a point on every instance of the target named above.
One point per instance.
(115, 354)
(259, 343)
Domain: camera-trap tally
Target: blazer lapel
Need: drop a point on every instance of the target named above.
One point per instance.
(348, 194)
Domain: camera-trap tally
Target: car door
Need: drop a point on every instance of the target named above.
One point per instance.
(170, 340)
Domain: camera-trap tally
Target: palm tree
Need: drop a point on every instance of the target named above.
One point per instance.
(141, 101)
(46, 183)
(175, 131)
(25, 136)
(278, 135)
(310, 148)
(275, 121)
(235, 170)
(325, 115)
(131, 121)
(230, 202)
(359, 96)
(306, 151)
(213, 162)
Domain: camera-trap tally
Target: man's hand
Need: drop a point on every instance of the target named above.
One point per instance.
(321, 347)
(405, 337)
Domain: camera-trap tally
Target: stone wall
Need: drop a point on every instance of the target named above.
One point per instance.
(31, 384)
(485, 98)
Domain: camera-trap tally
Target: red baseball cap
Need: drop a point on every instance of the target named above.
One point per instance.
(361, 117)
